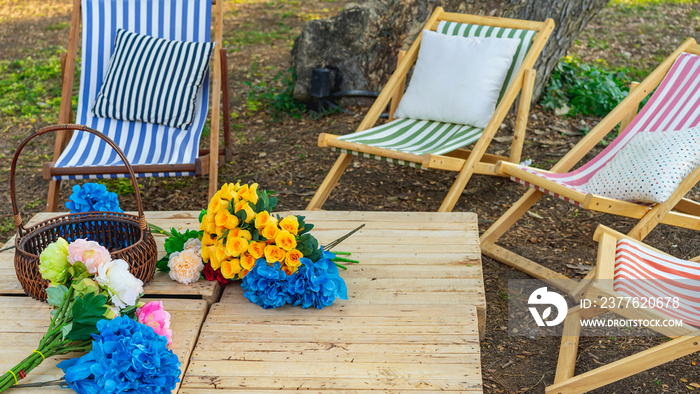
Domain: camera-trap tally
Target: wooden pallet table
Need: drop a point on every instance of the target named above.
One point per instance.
(25, 321)
(161, 285)
(411, 323)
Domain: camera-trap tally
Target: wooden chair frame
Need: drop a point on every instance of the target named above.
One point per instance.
(676, 211)
(685, 340)
(203, 164)
(466, 162)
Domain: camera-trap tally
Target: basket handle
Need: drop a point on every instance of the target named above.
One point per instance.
(49, 129)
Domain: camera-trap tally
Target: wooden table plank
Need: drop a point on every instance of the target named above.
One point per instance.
(416, 302)
(33, 316)
(161, 285)
(347, 346)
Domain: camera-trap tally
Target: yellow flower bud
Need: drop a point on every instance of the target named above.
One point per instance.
(291, 224)
(262, 219)
(249, 193)
(247, 261)
(274, 253)
(293, 258)
(257, 249)
(285, 240)
(270, 231)
(235, 246)
(230, 268)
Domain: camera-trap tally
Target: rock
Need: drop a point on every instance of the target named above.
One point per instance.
(361, 43)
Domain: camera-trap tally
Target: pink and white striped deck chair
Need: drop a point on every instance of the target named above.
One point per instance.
(631, 270)
(674, 106)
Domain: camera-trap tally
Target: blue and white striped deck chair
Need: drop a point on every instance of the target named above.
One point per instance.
(153, 150)
(436, 145)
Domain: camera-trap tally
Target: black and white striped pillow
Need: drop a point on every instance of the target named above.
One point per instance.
(153, 80)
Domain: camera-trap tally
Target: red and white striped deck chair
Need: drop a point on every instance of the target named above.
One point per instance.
(675, 105)
(632, 270)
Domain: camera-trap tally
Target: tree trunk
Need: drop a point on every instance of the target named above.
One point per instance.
(361, 43)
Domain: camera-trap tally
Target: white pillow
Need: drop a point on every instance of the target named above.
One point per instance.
(649, 168)
(457, 79)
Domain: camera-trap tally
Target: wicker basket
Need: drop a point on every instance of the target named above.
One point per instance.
(126, 236)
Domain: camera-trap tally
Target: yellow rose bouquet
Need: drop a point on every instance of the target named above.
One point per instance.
(238, 229)
(277, 258)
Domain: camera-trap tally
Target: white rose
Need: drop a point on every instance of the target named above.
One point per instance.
(194, 244)
(122, 286)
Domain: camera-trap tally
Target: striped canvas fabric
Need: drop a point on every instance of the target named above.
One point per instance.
(674, 106)
(421, 137)
(643, 273)
(143, 143)
(415, 136)
(153, 80)
(469, 30)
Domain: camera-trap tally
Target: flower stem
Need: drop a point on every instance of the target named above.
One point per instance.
(51, 344)
(344, 260)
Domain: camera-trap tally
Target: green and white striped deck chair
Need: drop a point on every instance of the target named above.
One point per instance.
(436, 145)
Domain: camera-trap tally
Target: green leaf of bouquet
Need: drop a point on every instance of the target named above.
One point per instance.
(162, 264)
(55, 295)
(129, 311)
(65, 330)
(87, 311)
(224, 234)
(273, 202)
(262, 202)
(78, 271)
(202, 213)
(304, 244)
(242, 215)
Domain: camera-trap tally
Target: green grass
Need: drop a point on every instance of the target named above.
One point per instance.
(30, 88)
(650, 2)
(249, 36)
(121, 186)
(57, 26)
(7, 225)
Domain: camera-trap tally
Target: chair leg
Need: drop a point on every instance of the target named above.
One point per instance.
(508, 219)
(569, 347)
(52, 199)
(460, 183)
(331, 179)
(628, 366)
(226, 107)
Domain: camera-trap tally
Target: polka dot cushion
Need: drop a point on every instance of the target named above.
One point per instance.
(649, 168)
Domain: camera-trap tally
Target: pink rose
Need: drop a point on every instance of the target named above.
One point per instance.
(153, 315)
(90, 253)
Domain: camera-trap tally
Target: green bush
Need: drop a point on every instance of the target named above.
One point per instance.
(275, 96)
(592, 90)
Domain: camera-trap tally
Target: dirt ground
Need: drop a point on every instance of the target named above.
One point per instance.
(282, 155)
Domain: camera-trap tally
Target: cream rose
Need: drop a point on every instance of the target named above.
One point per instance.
(185, 266)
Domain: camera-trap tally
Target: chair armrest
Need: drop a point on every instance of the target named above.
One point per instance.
(323, 139)
(619, 236)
